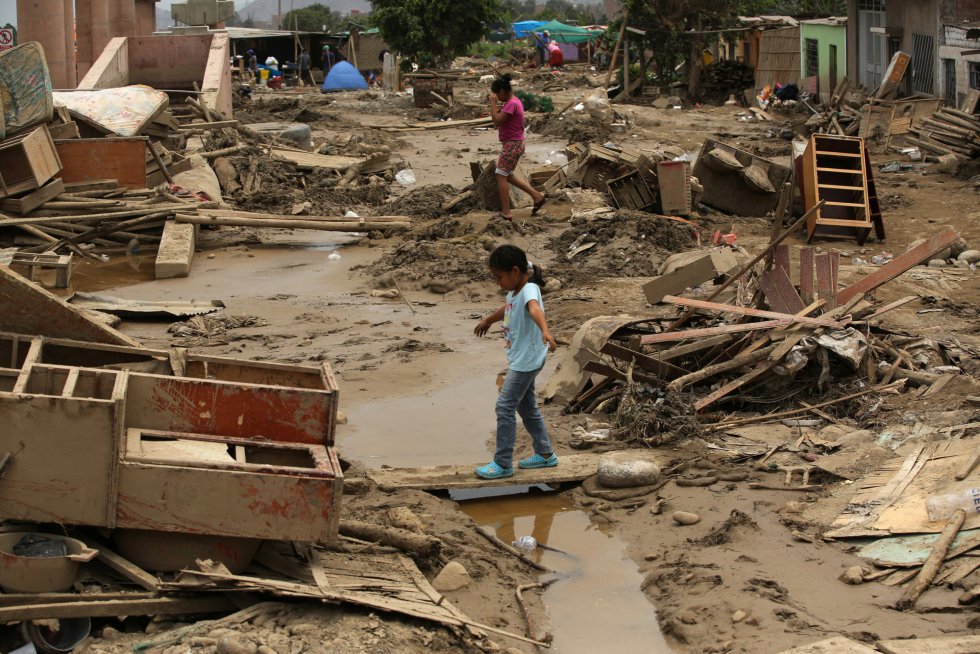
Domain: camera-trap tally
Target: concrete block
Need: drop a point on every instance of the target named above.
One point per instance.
(176, 250)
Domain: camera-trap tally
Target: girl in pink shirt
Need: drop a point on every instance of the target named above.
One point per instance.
(508, 118)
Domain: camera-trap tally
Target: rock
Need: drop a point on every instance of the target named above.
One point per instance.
(265, 649)
(738, 616)
(938, 263)
(686, 616)
(628, 470)
(341, 418)
(110, 633)
(685, 518)
(957, 248)
(551, 285)
(661, 102)
(970, 256)
(441, 287)
(674, 101)
(404, 518)
(201, 641)
(752, 620)
(854, 575)
(452, 577)
(356, 485)
(232, 645)
(211, 256)
(961, 264)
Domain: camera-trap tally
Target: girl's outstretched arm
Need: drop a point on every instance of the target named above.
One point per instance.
(484, 325)
(537, 315)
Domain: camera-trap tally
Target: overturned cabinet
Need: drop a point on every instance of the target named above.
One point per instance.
(123, 437)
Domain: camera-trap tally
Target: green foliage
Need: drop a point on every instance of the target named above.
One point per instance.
(433, 32)
(486, 50)
(315, 18)
(531, 102)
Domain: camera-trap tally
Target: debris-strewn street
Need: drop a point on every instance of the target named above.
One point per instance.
(243, 397)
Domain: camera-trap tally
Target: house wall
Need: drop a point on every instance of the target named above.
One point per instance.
(903, 18)
(954, 43)
(826, 36)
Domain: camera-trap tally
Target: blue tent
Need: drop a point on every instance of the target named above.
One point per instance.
(343, 77)
(524, 28)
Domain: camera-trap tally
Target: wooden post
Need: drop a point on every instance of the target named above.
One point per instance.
(615, 52)
(626, 62)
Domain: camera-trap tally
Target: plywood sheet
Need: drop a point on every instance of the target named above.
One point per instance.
(84, 160)
(310, 160)
(26, 308)
(936, 645)
(63, 451)
(573, 467)
(893, 499)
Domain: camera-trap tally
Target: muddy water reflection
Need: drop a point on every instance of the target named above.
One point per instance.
(597, 606)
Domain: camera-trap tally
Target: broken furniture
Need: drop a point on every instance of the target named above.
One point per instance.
(122, 437)
(738, 182)
(27, 162)
(674, 180)
(60, 263)
(430, 88)
(835, 170)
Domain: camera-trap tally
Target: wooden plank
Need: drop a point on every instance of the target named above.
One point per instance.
(67, 130)
(24, 599)
(749, 311)
(825, 288)
(779, 291)
(651, 364)
(311, 160)
(697, 346)
(968, 644)
(687, 334)
(834, 274)
(35, 199)
(971, 99)
(127, 569)
(112, 608)
(122, 159)
(900, 264)
(781, 259)
(806, 274)
(572, 467)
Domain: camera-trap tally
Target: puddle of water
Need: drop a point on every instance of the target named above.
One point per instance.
(444, 426)
(598, 579)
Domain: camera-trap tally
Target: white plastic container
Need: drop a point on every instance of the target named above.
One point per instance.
(941, 507)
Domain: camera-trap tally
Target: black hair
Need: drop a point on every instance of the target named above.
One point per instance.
(502, 83)
(507, 257)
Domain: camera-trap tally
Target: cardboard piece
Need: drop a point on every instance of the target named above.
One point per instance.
(893, 76)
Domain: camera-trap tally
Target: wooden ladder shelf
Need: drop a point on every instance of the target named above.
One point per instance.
(836, 169)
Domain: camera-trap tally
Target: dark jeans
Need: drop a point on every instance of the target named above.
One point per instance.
(517, 395)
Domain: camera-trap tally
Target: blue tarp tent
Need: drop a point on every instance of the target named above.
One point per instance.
(343, 77)
(524, 28)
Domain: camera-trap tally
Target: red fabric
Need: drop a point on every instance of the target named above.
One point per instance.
(557, 58)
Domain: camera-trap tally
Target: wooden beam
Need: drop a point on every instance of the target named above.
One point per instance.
(687, 334)
(779, 291)
(900, 264)
(111, 608)
(127, 569)
(650, 364)
(749, 311)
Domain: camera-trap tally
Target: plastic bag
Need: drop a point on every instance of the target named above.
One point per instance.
(405, 177)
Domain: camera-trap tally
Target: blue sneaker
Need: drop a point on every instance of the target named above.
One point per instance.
(538, 461)
(493, 471)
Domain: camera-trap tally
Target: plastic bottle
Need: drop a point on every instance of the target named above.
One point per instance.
(525, 543)
(940, 507)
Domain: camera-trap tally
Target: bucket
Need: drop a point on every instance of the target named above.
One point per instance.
(70, 632)
(28, 574)
(263, 76)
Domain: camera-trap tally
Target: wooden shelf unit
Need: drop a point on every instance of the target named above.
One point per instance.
(835, 170)
(27, 162)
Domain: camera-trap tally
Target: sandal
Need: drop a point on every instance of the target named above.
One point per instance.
(494, 471)
(538, 205)
(500, 216)
(538, 461)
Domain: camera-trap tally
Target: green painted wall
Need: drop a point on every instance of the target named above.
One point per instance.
(826, 36)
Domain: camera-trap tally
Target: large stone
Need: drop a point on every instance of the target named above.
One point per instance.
(297, 133)
(628, 469)
(453, 577)
(969, 256)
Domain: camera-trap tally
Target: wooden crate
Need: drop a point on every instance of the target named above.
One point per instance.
(631, 192)
(27, 161)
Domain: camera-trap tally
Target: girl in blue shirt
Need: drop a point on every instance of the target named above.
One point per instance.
(527, 340)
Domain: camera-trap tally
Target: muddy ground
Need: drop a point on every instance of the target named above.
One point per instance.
(418, 389)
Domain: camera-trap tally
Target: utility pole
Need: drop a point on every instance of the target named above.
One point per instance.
(279, 15)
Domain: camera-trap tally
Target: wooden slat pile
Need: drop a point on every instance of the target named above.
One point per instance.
(755, 355)
(949, 131)
(728, 76)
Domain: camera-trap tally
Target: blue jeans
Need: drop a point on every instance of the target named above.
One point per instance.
(517, 395)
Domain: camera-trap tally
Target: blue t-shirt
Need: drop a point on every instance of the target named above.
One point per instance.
(526, 351)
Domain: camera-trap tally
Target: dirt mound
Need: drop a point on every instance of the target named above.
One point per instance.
(627, 244)
(424, 201)
(576, 127)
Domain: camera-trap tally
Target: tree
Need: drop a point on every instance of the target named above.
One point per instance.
(678, 30)
(315, 18)
(434, 31)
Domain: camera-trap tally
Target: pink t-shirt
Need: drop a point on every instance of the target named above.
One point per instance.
(513, 128)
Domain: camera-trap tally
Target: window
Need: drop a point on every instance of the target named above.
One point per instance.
(871, 5)
(811, 49)
(923, 62)
(974, 75)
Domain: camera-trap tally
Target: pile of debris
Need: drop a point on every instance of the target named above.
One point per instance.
(808, 335)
